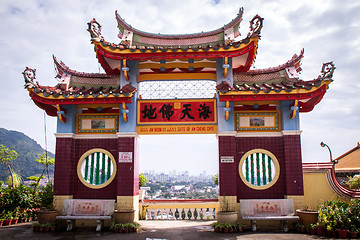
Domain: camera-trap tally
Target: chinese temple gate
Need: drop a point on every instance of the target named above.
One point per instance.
(170, 84)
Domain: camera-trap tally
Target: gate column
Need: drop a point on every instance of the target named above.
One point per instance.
(227, 172)
(128, 158)
(128, 173)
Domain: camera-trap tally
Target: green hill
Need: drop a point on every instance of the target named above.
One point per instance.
(28, 150)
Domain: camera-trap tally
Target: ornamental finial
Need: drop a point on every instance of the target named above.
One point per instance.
(29, 76)
(256, 25)
(327, 70)
(94, 29)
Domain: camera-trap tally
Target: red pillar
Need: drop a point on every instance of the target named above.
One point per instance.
(293, 165)
(128, 170)
(64, 167)
(227, 171)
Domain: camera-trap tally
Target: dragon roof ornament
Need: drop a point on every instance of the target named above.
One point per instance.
(256, 24)
(94, 29)
(30, 76)
(327, 70)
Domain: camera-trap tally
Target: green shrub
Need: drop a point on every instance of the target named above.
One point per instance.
(338, 214)
(46, 197)
(18, 197)
(354, 182)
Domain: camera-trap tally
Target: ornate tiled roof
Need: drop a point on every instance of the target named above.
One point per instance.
(63, 91)
(175, 48)
(140, 46)
(267, 87)
(69, 78)
(281, 78)
(293, 62)
(75, 92)
(62, 68)
(279, 83)
(132, 36)
(220, 39)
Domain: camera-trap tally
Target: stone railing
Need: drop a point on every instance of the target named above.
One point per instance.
(180, 209)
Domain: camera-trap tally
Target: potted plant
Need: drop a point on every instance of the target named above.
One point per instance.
(227, 227)
(135, 226)
(124, 216)
(113, 227)
(121, 227)
(7, 218)
(312, 230)
(143, 180)
(52, 227)
(222, 227)
(36, 227)
(15, 216)
(341, 215)
(307, 216)
(225, 215)
(215, 226)
(47, 214)
(353, 231)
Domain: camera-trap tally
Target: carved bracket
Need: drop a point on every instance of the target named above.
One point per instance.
(125, 69)
(60, 112)
(125, 112)
(294, 108)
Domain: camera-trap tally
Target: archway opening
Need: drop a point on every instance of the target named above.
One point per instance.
(179, 166)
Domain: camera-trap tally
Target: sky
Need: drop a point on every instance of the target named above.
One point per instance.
(328, 30)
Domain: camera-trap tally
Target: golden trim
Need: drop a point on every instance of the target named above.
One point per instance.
(138, 51)
(225, 69)
(272, 92)
(98, 105)
(176, 129)
(61, 117)
(255, 114)
(293, 113)
(126, 75)
(177, 65)
(242, 103)
(84, 156)
(124, 107)
(80, 97)
(277, 166)
(97, 116)
(227, 105)
(177, 76)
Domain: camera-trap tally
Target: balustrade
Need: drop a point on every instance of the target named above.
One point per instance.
(180, 209)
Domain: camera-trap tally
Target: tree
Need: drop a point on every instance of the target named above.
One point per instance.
(46, 161)
(7, 156)
(143, 180)
(215, 178)
(15, 180)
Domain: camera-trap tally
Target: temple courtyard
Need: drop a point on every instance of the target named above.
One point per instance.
(150, 230)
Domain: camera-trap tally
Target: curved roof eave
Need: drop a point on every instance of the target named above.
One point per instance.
(232, 23)
(63, 68)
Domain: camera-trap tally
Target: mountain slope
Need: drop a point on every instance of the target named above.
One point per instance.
(28, 150)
